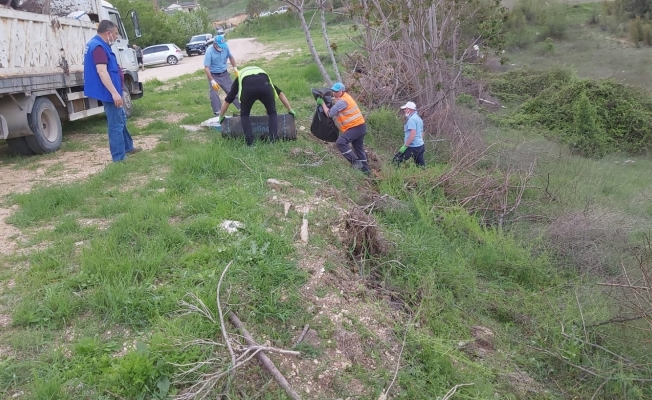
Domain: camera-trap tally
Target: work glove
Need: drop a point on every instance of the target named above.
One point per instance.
(237, 73)
(320, 101)
(402, 149)
(292, 113)
(215, 85)
(222, 118)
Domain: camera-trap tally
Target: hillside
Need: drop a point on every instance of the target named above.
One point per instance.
(510, 267)
(222, 9)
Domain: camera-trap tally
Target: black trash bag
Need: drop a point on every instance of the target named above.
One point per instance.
(322, 127)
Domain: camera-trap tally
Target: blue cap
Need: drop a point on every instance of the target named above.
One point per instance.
(338, 86)
(220, 41)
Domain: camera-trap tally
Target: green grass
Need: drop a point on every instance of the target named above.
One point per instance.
(590, 50)
(94, 307)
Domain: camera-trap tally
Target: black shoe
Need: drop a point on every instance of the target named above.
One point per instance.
(361, 166)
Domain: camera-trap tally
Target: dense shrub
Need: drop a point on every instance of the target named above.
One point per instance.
(595, 116)
(525, 83)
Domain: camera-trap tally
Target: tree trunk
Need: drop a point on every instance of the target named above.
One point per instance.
(311, 46)
(327, 41)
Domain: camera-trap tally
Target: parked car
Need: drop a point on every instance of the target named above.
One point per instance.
(281, 10)
(220, 31)
(265, 14)
(161, 54)
(198, 44)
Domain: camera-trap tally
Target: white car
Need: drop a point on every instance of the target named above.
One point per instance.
(281, 10)
(161, 54)
(265, 14)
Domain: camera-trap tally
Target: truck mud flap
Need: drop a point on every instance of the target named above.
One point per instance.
(4, 129)
(287, 129)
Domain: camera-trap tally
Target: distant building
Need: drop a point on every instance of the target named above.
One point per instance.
(187, 6)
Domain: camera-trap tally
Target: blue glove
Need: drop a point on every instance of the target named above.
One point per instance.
(402, 149)
(320, 101)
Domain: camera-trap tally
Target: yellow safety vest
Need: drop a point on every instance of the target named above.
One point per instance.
(248, 71)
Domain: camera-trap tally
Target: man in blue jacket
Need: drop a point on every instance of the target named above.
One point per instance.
(103, 79)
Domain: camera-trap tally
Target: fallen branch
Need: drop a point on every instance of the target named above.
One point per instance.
(219, 310)
(304, 231)
(454, 389)
(267, 363)
(303, 334)
(383, 396)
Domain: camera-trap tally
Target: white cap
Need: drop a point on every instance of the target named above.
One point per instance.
(409, 105)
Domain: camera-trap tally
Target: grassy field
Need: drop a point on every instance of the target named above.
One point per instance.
(94, 296)
(599, 50)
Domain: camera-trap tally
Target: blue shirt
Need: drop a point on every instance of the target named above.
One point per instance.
(414, 122)
(216, 60)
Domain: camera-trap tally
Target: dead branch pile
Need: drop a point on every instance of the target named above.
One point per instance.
(592, 239)
(632, 290)
(201, 379)
(362, 236)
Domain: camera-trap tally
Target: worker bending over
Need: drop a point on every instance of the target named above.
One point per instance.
(349, 120)
(254, 84)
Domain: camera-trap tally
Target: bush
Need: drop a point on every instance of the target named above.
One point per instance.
(595, 116)
(524, 83)
(556, 23)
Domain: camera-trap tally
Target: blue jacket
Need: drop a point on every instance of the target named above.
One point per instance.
(93, 86)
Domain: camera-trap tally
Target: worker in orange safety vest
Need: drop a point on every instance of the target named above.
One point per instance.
(348, 118)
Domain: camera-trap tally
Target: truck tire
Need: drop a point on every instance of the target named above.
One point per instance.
(19, 146)
(45, 124)
(128, 105)
(172, 60)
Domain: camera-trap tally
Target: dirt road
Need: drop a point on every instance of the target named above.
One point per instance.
(243, 50)
(63, 167)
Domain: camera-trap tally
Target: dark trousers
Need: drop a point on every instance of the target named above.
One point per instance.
(351, 144)
(258, 87)
(412, 152)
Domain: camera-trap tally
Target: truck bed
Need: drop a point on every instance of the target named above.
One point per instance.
(37, 44)
(34, 83)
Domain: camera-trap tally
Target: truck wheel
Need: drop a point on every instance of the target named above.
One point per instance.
(172, 60)
(128, 105)
(19, 146)
(45, 125)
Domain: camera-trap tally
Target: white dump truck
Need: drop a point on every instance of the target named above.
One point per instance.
(42, 45)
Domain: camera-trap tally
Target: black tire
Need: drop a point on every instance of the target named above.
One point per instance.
(45, 125)
(172, 60)
(127, 103)
(189, 54)
(19, 146)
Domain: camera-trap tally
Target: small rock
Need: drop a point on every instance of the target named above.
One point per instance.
(275, 183)
(629, 161)
(231, 226)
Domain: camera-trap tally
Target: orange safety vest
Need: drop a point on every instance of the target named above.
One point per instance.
(350, 116)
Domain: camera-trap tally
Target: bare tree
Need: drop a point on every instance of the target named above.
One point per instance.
(416, 49)
(299, 7)
(329, 46)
